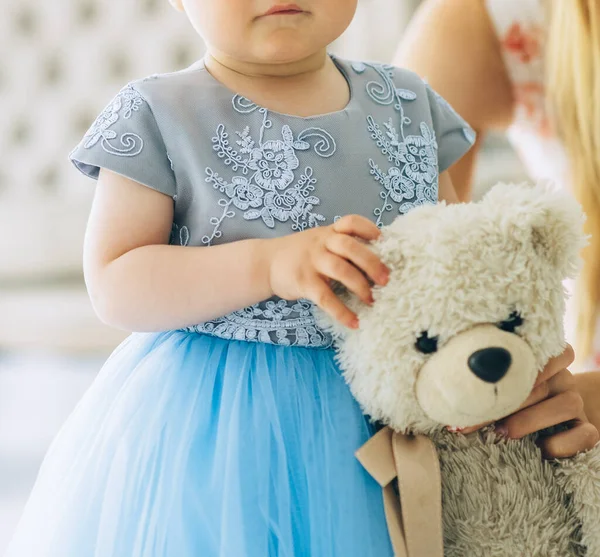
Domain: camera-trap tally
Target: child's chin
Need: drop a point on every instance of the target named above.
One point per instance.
(280, 49)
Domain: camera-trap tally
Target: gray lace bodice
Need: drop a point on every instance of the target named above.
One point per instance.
(236, 170)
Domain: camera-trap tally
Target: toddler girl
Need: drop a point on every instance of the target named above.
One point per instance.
(229, 195)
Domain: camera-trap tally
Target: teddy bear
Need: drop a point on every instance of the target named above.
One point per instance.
(472, 312)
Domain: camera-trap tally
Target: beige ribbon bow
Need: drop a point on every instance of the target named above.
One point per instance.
(415, 519)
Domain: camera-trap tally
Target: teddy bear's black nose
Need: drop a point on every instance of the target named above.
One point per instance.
(490, 364)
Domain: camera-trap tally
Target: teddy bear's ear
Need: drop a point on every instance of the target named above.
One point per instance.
(553, 217)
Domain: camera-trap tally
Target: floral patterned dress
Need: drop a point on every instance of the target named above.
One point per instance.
(522, 28)
(236, 437)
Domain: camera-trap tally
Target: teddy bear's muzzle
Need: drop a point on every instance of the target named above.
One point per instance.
(480, 375)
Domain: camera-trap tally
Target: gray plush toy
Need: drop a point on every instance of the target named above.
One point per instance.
(472, 312)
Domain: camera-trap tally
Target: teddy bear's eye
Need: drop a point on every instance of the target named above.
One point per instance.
(510, 325)
(427, 344)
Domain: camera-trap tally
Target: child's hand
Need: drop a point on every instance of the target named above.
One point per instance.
(303, 265)
(554, 400)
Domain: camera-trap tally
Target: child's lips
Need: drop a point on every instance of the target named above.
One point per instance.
(284, 9)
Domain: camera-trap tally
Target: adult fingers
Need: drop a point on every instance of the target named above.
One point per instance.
(561, 408)
(557, 364)
(581, 437)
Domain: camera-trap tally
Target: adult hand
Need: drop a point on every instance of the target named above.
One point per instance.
(554, 400)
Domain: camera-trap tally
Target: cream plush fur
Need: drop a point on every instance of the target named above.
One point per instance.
(463, 273)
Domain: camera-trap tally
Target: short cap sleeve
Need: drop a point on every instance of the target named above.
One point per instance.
(454, 136)
(125, 139)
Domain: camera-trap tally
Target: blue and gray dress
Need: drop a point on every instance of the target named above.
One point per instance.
(236, 437)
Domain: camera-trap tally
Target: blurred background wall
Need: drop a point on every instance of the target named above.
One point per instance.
(60, 63)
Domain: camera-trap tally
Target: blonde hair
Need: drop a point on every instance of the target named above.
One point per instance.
(573, 81)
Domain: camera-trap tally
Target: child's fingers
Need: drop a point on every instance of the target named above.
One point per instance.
(355, 225)
(360, 255)
(337, 268)
(322, 295)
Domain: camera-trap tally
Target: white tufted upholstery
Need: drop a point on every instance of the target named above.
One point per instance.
(60, 62)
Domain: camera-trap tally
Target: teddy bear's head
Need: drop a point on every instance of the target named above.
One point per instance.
(472, 312)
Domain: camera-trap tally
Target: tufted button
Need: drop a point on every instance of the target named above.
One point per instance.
(86, 12)
(26, 22)
(151, 7)
(48, 179)
(119, 66)
(21, 132)
(183, 55)
(53, 71)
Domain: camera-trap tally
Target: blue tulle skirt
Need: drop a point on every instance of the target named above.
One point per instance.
(187, 445)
